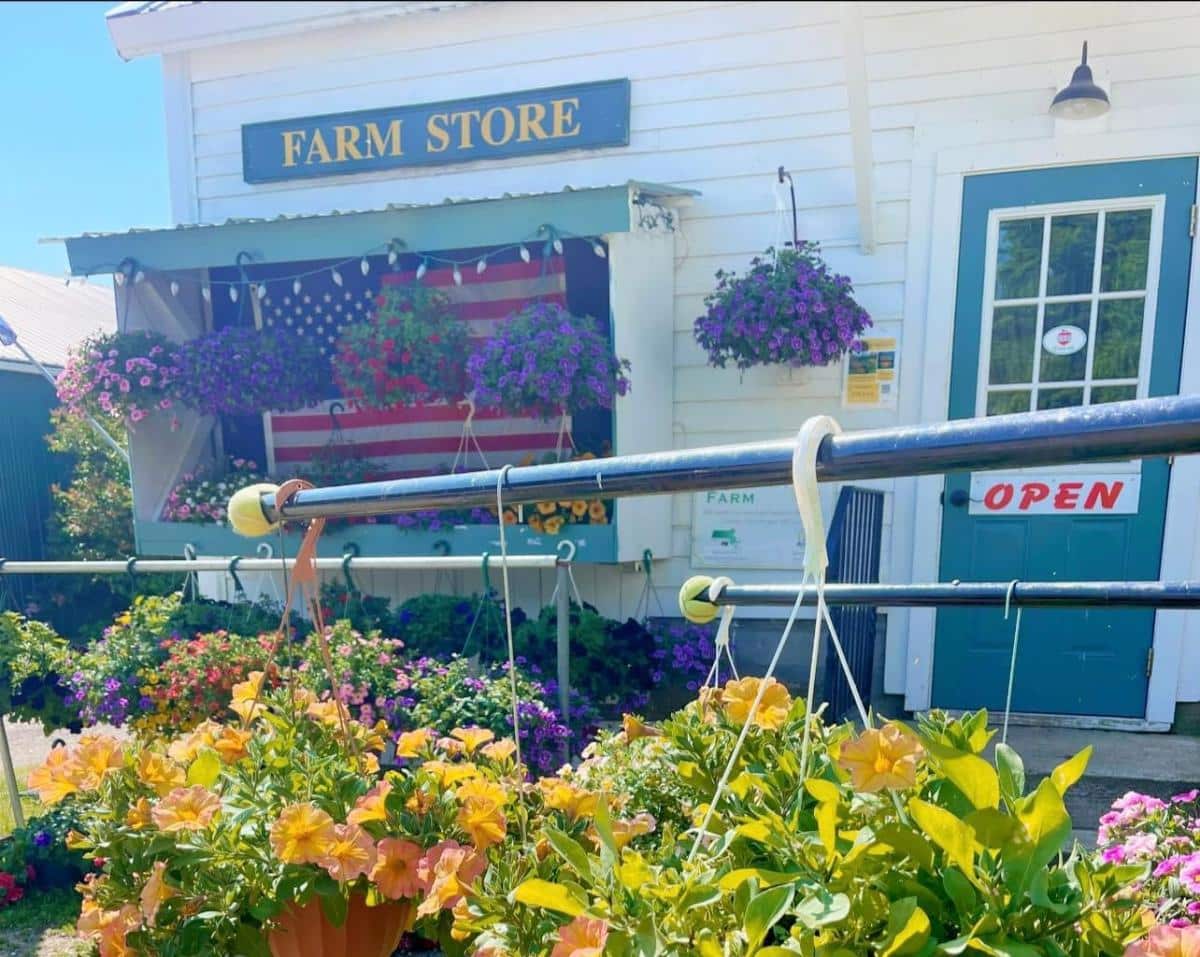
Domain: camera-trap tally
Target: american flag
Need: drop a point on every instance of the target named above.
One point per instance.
(416, 440)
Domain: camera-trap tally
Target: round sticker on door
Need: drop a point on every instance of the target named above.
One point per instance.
(1064, 340)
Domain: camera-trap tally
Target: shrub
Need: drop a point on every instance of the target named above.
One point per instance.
(32, 660)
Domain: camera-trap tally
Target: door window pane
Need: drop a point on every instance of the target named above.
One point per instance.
(1059, 398)
(1126, 250)
(1112, 393)
(1072, 254)
(1070, 368)
(1118, 339)
(1002, 403)
(1014, 329)
(1019, 258)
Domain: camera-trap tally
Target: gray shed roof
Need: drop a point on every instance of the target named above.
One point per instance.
(49, 316)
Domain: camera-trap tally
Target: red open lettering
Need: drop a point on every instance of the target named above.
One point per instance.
(1033, 492)
(998, 496)
(1105, 494)
(1067, 496)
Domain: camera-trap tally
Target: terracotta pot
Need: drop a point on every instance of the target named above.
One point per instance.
(367, 932)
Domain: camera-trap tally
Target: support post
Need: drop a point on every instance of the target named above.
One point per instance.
(10, 778)
(562, 616)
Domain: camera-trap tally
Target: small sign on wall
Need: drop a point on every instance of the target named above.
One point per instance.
(871, 377)
(1067, 494)
(747, 528)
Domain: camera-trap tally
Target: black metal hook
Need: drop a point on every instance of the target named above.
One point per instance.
(784, 175)
(334, 409)
(238, 589)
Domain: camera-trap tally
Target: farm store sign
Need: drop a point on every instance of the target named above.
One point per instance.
(1068, 494)
(582, 116)
(749, 528)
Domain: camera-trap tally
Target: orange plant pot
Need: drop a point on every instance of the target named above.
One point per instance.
(367, 931)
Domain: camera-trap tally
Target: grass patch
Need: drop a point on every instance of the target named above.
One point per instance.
(31, 805)
(42, 910)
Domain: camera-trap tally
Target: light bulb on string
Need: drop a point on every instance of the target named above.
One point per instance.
(557, 244)
(392, 257)
(206, 292)
(233, 293)
(174, 287)
(337, 277)
(119, 278)
(524, 252)
(262, 290)
(364, 266)
(296, 287)
(457, 276)
(422, 268)
(598, 249)
(479, 269)
(139, 276)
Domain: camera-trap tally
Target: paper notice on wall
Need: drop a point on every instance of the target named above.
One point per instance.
(749, 528)
(871, 377)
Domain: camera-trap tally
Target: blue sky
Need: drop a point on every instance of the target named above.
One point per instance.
(81, 134)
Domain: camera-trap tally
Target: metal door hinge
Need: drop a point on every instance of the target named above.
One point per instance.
(1149, 661)
(1192, 221)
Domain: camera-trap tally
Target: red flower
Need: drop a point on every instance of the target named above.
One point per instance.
(389, 345)
(406, 357)
(435, 338)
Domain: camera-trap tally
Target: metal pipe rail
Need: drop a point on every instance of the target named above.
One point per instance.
(1161, 595)
(353, 562)
(1119, 430)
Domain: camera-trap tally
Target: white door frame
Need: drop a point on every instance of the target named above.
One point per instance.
(939, 168)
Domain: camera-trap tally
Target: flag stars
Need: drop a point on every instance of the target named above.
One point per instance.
(307, 299)
(328, 298)
(287, 300)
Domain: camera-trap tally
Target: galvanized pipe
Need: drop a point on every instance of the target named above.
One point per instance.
(1161, 595)
(166, 565)
(1118, 430)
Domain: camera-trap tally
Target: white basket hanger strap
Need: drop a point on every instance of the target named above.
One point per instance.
(808, 496)
(721, 642)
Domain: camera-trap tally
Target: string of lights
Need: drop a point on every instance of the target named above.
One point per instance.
(548, 236)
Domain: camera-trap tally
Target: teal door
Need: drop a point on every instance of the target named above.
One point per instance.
(1072, 291)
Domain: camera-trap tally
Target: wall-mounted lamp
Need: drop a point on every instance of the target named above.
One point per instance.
(1081, 99)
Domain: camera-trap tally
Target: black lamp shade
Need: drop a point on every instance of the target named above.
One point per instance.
(1080, 99)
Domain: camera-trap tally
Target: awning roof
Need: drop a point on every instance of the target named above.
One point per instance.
(451, 224)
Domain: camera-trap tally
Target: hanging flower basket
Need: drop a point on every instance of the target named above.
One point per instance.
(304, 930)
(788, 309)
(240, 370)
(546, 361)
(120, 375)
(410, 350)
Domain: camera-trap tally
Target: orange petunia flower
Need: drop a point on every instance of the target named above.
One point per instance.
(625, 831)
(108, 928)
(472, 738)
(483, 819)
(772, 711)
(371, 806)
(420, 802)
(553, 525)
(231, 744)
(186, 809)
(561, 795)
(448, 869)
(448, 774)
(245, 702)
(154, 892)
(583, 937)
(187, 749)
(53, 779)
(1167, 942)
(138, 816)
(351, 854)
(633, 728)
(597, 512)
(97, 756)
(410, 744)
(535, 522)
(395, 872)
(579, 508)
(546, 508)
(329, 712)
(882, 758)
(482, 790)
(302, 834)
(499, 751)
(160, 773)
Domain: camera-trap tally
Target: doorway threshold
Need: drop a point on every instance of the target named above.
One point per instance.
(1080, 722)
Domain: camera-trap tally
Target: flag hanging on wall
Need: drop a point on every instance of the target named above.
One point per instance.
(416, 440)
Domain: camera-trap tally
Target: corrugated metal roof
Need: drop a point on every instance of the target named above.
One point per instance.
(652, 190)
(49, 316)
(147, 6)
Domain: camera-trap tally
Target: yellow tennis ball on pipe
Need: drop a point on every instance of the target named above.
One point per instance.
(693, 600)
(245, 511)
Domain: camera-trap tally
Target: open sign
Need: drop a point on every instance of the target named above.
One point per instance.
(1069, 494)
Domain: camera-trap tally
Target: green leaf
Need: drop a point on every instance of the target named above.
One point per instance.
(827, 817)
(1071, 770)
(569, 850)
(993, 828)
(823, 790)
(609, 853)
(335, 907)
(250, 942)
(821, 908)
(735, 879)
(960, 892)
(764, 911)
(1046, 827)
(909, 843)
(205, 770)
(700, 896)
(908, 928)
(971, 774)
(1039, 893)
(547, 896)
(947, 832)
(1012, 772)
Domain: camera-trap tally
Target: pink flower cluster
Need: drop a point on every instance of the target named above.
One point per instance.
(202, 499)
(1142, 829)
(124, 376)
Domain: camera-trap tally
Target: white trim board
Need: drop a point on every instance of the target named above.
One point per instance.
(939, 168)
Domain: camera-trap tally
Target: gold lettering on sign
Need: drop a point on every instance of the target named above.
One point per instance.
(293, 143)
(438, 136)
(463, 118)
(317, 148)
(531, 116)
(346, 138)
(564, 123)
(508, 121)
(384, 144)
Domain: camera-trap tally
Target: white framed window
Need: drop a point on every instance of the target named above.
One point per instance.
(1068, 304)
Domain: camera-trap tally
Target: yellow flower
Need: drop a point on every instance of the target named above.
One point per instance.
(410, 744)
(583, 937)
(624, 831)
(546, 508)
(158, 772)
(395, 870)
(448, 869)
(772, 711)
(458, 930)
(108, 928)
(420, 802)
(472, 738)
(499, 751)
(54, 778)
(231, 745)
(186, 809)
(154, 893)
(138, 816)
(882, 758)
(97, 756)
(371, 806)
(482, 789)
(573, 801)
(633, 728)
(370, 765)
(448, 774)
(76, 841)
(329, 712)
(534, 522)
(510, 517)
(302, 834)
(245, 703)
(186, 750)
(483, 819)
(553, 525)
(579, 508)
(597, 512)
(350, 855)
